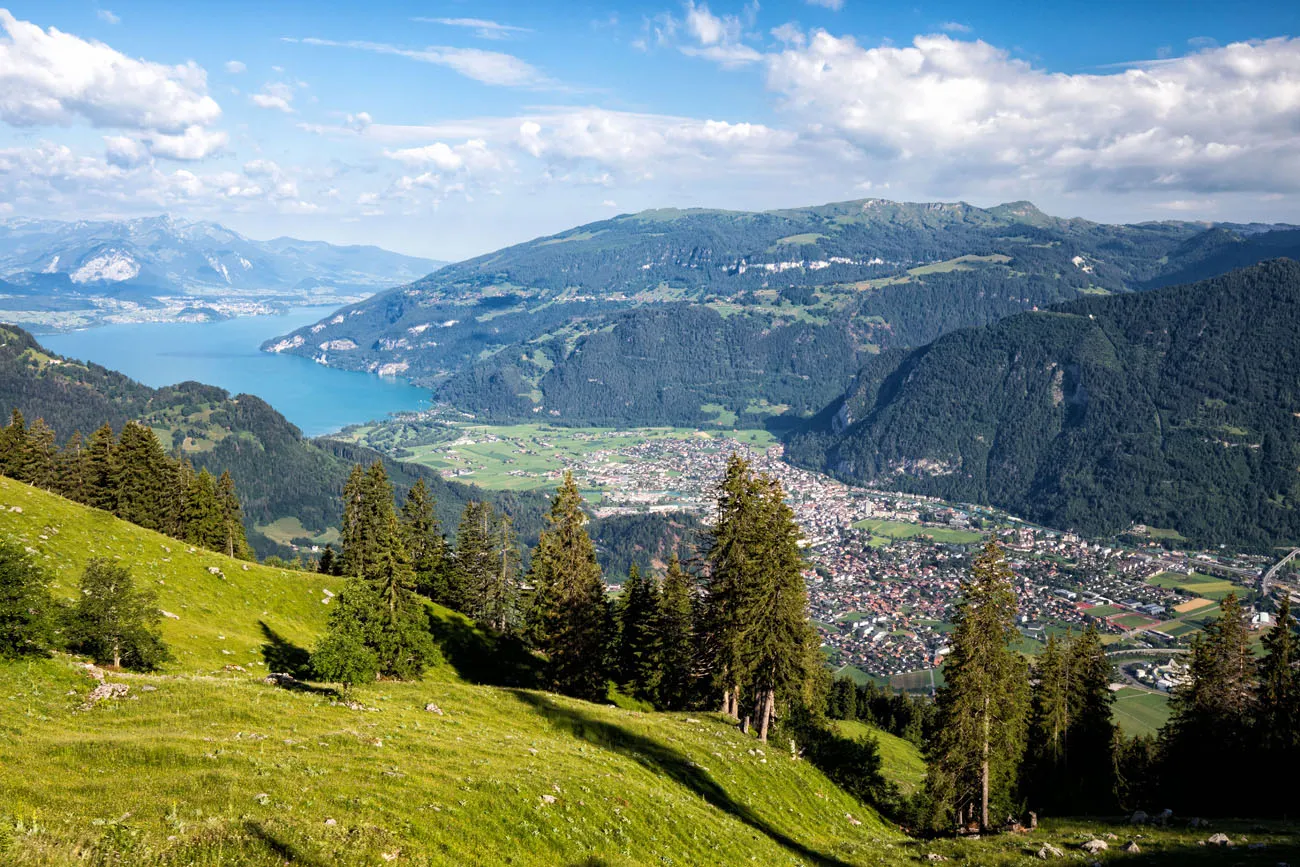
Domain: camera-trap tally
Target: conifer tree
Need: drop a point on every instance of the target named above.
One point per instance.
(1215, 705)
(204, 522)
(732, 578)
(233, 540)
(115, 623)
(1278, 715)
(1047, 762)
(676, 638)
(473, 559)
(982, 708)
(1092, 729)
(424, 542)
(139, 477)
(100, 458)
(779, 644)
(638, 631)
(327, 563)
(500, 593)
(40, 467)
(25, 604)
(13, 446)
(571, 614)
(74, 470)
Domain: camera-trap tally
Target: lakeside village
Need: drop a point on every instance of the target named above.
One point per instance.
(886, 567)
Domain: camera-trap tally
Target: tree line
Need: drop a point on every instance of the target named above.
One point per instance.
(1010, 736)
(131, 477)
(733, 634)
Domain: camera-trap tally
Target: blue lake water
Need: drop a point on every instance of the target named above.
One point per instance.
(316, 398)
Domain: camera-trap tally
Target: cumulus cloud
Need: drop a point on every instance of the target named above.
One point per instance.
(48, 77)
(483, 28)
(1224, 118)
(234, 67)
(473, 155)
(719, 37)
(275, 95)
(107, 17)
(488, 67)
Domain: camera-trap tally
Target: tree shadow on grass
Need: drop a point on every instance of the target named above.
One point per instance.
(666, 761)
(481, 655)
(279, 848)
(280, 654)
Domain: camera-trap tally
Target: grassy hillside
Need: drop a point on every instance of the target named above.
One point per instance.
(902, 761)
(219, 618)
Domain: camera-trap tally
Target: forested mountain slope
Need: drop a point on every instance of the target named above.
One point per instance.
(1176, 408)
(562, 325)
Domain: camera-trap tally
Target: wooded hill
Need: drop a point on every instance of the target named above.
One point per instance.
(631, 319)
(278, 472)
(1176, 408)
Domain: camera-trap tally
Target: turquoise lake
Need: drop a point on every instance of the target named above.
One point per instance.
(317, 399)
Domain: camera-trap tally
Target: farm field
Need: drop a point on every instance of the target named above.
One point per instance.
(1205, 586)
(885, 531)
(532, 456)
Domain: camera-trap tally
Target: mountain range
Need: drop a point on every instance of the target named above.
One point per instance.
(1175, 408)
(702, 316)
(86, 270)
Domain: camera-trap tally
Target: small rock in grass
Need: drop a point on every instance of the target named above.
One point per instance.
(935, 856)
(262, 798)
(1050, 851)
(852, 821)
(331, 822)
(1092, 847)
(1132, 847)
(433, 708)
(1219, 840)
(148, 687)
(548, 799)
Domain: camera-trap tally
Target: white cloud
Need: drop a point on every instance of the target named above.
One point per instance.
(107, 17)
(719, 37)
(834, 5)
(234, 67)
(473, 155)
(1224, 118)
(51, 77)
(275, 95)
(125, 151)
(194, 143)
(488, 67)
(955, 27)
(482, 28)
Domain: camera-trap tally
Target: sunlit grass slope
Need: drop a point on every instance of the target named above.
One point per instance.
(901, 760)
(219, 619)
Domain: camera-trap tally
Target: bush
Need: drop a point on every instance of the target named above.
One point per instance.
(342, 658)
(113, 622)
(25, 606)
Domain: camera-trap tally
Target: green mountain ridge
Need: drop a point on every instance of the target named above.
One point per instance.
(1176, 408)
(557, 326)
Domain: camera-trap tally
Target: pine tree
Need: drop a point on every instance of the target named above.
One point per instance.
(25, 604)
(233, 540)
(473, 559)
(1092, 729)
(1278, 715)
(139, 477)
(779, 644)
(204, 522)
(380, 605)
(500, 593)
(638, 630)
(327, 563)
(13, 446)
(424, 543)
(100, 459)
(1047, 764)
(74, 470)
(982, 708)
(1215, 706)
(113, 622)
(571, 620)
(732, 578)
(676, 638)
(41, 454)
(842, 701)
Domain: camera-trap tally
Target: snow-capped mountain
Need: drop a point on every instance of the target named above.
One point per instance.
(166, 256)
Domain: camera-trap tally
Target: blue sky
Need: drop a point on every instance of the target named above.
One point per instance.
(450, 129)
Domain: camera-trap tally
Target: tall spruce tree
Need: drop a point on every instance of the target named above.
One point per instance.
(74, 470)
(975, 754)
(100, 459)
(733, 563)
(1278, 714)
(500, 595)
(676, 627)
(13, 446)
(779, 645)
(1092, 729)
(1047, 759)
(233, 542)
(139, 477)
(1215, 705)
(571, 616)
(639, 667)
(40, 463)
(473, 560)
(425, 544)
